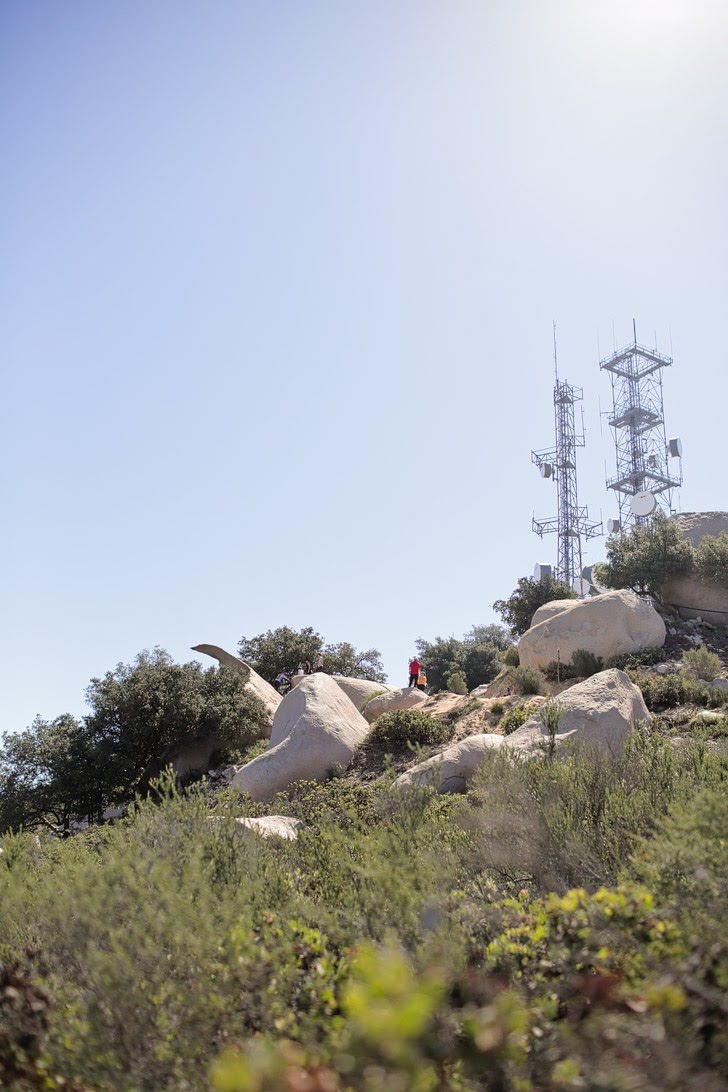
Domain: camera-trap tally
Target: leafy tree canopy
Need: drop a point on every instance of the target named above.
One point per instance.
(529, 594)
(65, 770)
(474, 657)
(644, 557)
(285, 649)
(48, 776)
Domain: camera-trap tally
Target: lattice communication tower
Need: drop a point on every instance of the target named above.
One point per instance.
(571, 524)
(645, 480)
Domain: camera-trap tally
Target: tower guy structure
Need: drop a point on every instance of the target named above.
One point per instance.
(571, 525)
(644, 479)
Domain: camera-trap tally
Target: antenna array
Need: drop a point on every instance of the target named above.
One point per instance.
(571, 523)
(644, 479)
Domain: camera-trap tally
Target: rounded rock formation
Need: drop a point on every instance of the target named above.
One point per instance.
(607, 625)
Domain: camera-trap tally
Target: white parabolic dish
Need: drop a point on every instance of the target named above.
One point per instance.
(643, 504)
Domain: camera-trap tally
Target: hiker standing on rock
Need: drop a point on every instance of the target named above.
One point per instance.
(320, 662)
(414, 671)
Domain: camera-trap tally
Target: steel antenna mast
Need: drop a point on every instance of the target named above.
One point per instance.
(645, 479)
(571, 523)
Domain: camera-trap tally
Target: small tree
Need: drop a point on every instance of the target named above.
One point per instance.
(518, 610)
(284, 649)
(50, 775)
(477, 656)
(711, 558)
(142, 713)
(645, 557)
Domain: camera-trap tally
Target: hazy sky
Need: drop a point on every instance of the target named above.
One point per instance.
(277, 284)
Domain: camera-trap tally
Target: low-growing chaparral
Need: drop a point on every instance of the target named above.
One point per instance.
(515, 880)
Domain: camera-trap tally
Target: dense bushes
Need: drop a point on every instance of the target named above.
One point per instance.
(502, 941)
(248, 945)
(465, 662)
(668, 691)
(394, 733)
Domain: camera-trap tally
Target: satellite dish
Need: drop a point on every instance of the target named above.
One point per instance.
(547, 470)
(674, 447)
(613, 525)
(587, 573)
(643, 504)
(542, 572)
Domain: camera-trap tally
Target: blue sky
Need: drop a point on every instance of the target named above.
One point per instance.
(276, 294)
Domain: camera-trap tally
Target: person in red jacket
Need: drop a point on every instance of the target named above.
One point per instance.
(414, 671)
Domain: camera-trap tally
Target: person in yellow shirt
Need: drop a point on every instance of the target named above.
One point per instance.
(422, 679)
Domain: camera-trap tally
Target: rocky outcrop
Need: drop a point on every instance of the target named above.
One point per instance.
(256, 684)
(315, 728)
(391, 702)
(695, 526)
(611, 624)
(360, 691)
(692, 597)
(598, 714)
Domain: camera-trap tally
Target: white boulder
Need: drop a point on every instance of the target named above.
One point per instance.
(607, 625)
(267, 826)
(360, 691)
(315, 728)
(451, 769)
(409, 697)
(599, 713)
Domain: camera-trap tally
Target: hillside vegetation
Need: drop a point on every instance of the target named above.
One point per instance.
(560, 925)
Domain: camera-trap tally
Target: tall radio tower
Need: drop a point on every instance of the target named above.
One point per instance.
(571, 523)
(644, 480)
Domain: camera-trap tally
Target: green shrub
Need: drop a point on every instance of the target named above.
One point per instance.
(668, 691)
(517, 716)
(394, 733)
(457, 683)
(510, 656)
(703, 664)
(558, 672)
(527, 679)
(644, 657)
(711, 558)
(585, 663)
(497, 709)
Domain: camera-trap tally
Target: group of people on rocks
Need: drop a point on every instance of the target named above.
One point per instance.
(417, 673)
(305, 668)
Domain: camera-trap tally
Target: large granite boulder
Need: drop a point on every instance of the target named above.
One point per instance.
(692, 597)
(598, 714)
(266, 826)
(452, 768)
(256, 684)
(409, 697)
(611, 624)
(315, 728)
(360, 691)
